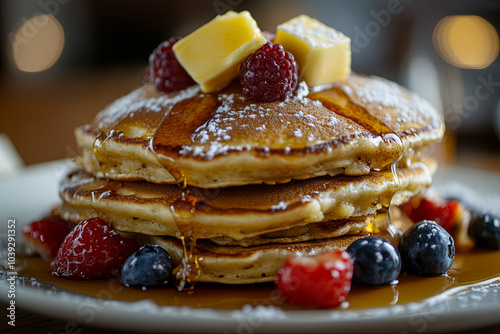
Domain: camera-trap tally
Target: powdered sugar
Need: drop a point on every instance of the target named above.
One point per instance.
(384, 93)
(279, 207)
(128, 104)
(297, 117)
(302, 90)
(297, 133)
(217, 131)
(306, 199)
(215, 148)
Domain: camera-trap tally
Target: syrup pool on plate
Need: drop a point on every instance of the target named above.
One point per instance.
(467, 269)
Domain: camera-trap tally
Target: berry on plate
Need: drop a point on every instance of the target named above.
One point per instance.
(148, 267)
(321, 281)
(485, 230)
(445, 213)
(165, 71)
(427, 249)
(92, 250)
(44, 237)
(269, 74)
(376, 261)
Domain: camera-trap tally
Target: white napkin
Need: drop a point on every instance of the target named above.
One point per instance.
(10, 160)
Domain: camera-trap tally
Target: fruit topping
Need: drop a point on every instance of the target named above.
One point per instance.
(445, 213)
(485, 230)
(212, 53)
(44, 237)
(426, 249)
(148, 267)
(376, 261)
(269, 74)
(92, 250)
(164, 69)
(321, 281)
(323, 53)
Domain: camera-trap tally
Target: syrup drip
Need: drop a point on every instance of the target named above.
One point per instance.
(97, 147)
(189, 270)
(175, 131)
(396, 179)
(372, 227)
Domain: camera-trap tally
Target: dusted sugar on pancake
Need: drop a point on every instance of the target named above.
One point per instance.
(222, 139)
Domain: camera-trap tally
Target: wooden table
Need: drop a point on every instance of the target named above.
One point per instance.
(29, 322)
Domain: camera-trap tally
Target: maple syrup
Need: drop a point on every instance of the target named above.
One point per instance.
(339, 102)
(174, 131)
(189, 270)
(467, 269)
(176, 128)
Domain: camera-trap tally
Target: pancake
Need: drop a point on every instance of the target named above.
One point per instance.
(244, 265)
(312, 231)
(221, 139)
(237, 212)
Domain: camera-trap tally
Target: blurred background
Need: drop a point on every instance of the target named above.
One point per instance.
(62, 61)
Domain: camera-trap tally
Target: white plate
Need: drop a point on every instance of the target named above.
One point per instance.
(32, 193)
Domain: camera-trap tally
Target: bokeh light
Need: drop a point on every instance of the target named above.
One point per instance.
(466, 41)
(37, 44)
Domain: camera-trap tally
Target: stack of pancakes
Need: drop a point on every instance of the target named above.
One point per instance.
(232, 187)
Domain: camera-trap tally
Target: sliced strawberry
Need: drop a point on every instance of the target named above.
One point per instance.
(445, 213)
(44, 237)
(92, 250)
(321, 281)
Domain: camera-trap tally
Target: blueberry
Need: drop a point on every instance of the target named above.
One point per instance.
(148, 267)
(376, 261)
(485, 230)
(427, 249)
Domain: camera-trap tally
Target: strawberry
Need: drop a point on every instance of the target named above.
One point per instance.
(445, 213)
(92, 250)
(321, 281)
(44, 237)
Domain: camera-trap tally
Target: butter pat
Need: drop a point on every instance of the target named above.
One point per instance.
(212, 54)
(322, 53)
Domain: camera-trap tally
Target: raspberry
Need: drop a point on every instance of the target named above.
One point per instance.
(44, 237)
(165, 71)
(92, 250)
(269, 74)
(321, 281)
(445, 213)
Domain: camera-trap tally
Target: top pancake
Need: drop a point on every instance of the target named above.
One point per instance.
(222, 139)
